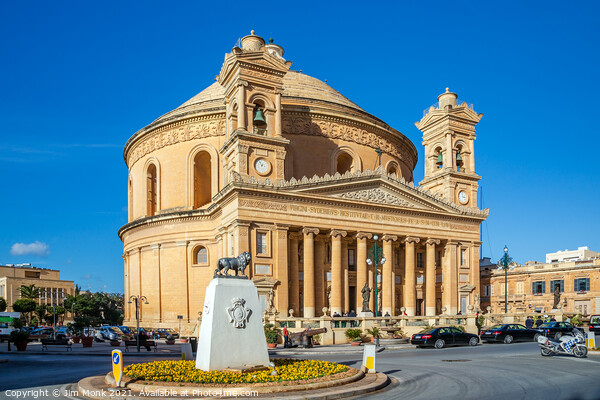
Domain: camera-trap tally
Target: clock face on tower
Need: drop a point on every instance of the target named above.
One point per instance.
(262, 166)
(462, 197)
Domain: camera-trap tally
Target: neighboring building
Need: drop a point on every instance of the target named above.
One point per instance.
(277, 163)
(582, 253)
(53, 289)
(531, 287)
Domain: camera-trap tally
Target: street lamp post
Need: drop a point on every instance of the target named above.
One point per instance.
(376, 259)
(137, 301)
(504, 262)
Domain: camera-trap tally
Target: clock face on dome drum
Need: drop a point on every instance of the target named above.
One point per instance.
(262, 166)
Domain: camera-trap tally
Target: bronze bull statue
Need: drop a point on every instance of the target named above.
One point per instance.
(238, 264)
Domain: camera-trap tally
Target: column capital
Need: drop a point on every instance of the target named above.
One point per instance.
(281, 227)
(337, 232)
(314, 231)
(242, 82)
(476, 243)
(295, 235)
(387, 238)
(410, 239)
(363, 235)
(321, 238)
(432, 242)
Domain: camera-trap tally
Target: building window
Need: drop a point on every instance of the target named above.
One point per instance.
(502, 287)
(520, 287)
(351, 260)
(582, 284)
(491, 290)
(261, 243)
(152, 190)
(327, 254)
(560, 283)
(419, 260)
(344, 163)
(438, 259)
(201, 255)
(202, 178)
(538, 287)
(463, 257)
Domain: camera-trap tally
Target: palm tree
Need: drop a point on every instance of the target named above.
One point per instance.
(30, 292)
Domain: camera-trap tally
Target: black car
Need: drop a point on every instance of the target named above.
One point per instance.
(555, 329)
(595, 323)
(442, 337)
(509, 333)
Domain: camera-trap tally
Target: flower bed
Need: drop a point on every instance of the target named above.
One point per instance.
(185, 371)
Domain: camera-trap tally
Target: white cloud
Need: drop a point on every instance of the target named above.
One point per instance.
(36, 248)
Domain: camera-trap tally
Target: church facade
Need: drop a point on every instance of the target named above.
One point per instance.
(274, 162)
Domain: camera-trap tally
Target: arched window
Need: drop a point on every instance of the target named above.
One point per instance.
(439, 158)
(151, 190)
(201, 255)
(344, 163)
(202, 179)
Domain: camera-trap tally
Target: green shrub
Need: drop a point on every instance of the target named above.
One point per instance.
(353, 334)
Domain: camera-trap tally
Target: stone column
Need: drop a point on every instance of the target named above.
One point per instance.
(281, 242)
(345, 281)
(309, 271)
(362, 276)
(293, 275)
(430, 277)
(386, 284)
(320, 278)
(410, 276)
(241, 100)
(449, 278)
(475, 273)
(336, 271)
(278, 112)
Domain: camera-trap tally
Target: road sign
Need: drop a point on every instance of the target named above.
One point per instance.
(117, 365)
(369, 357)
(590, 340)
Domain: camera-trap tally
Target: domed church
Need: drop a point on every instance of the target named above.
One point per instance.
(274, 162)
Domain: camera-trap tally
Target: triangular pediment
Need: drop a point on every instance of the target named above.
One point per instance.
(375, 190)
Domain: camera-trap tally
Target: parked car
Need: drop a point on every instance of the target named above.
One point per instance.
(509, 333)
(444, 336)
(61, 332)
(110, 332)
(594, 323)
(126, 330)
(166, 332)
(555, 329)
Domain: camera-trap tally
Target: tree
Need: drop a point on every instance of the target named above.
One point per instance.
(2, 304)
(99, 308)
(30, 292)
(40, 312)
(25, 306)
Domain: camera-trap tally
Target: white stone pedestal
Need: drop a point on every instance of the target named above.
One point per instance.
(231, 333)
(365, 314)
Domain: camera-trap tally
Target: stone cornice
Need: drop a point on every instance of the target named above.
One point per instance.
(315, 181)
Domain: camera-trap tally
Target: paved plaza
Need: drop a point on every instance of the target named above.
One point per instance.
(489, 371)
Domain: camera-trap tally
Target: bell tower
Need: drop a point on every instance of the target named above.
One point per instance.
(252, 75)
(448, 137)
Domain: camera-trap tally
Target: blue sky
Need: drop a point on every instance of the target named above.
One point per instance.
(79, 78)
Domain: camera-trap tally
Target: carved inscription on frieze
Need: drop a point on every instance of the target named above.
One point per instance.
(337, 130)
(176, 134)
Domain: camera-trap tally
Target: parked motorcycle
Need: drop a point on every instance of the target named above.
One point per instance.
(570, 343)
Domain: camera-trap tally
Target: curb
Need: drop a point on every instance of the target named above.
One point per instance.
(70, 353)
(95, 388)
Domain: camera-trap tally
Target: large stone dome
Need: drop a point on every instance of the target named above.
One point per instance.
(297, 87)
